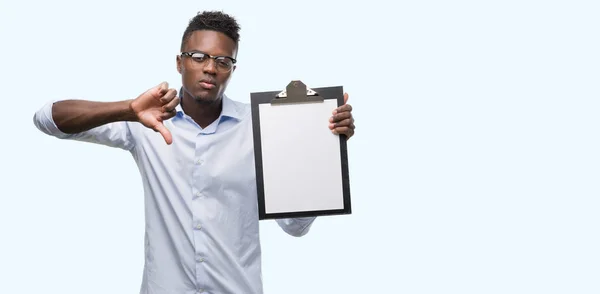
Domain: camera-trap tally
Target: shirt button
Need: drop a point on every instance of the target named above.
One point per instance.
(200, 291)
(198, 227)
(199, 161)
(200, 259)
(198, 194)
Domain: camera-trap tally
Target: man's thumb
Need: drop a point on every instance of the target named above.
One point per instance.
(165, 133)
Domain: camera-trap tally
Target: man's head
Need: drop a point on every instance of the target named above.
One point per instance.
(209, 34)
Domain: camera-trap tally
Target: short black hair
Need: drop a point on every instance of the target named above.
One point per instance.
(214, 21)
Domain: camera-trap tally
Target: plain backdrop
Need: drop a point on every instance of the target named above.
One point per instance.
(474, 168)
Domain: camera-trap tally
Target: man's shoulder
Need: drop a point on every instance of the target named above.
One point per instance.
(241, 109)
(241, 104)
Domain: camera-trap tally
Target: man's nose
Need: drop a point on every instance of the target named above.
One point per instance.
(210, 66)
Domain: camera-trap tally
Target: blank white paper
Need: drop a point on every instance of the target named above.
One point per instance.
(300, 157)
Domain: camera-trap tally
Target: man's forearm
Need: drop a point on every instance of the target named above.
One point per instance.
(74, 116)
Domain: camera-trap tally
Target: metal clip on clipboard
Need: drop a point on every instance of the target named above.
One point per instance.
(297, 92)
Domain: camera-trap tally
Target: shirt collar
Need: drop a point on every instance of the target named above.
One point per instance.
(230, 108)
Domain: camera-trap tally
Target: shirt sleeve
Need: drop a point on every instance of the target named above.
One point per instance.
(117, 134)
(296, 227)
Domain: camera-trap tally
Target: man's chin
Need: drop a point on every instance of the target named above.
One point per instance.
(205, 97)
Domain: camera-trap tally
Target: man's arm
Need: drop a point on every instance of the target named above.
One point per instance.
(76, 116)
(108, 123)
(86, 121)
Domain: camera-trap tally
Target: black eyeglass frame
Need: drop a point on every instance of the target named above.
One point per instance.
(204, 55)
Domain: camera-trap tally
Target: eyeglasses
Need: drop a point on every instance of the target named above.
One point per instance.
(223, 63)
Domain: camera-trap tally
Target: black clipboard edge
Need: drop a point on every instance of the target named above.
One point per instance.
(257, 98)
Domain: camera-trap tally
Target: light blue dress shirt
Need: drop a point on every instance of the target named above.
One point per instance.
(201, 213)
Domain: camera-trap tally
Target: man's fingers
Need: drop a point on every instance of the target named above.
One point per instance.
(168, 114)
(349, 122)
(171, 105)
(343, 108)
(340, 116)
(168, 96)
(342, 122)
(164, 132)
(156, 92)
(169, 110)
(344, 131)
(159, 90)
(163, 87)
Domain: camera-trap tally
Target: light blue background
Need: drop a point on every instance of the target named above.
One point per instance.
(474, 169)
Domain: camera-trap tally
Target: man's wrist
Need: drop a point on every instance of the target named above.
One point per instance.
(129, 112)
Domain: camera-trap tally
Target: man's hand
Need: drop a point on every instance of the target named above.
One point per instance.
(342, 121)
(155, 106)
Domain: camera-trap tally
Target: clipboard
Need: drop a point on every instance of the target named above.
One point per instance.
(301, 166)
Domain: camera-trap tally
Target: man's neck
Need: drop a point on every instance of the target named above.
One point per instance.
(203, 113)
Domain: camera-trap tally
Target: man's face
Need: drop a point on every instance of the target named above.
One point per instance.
(206, 80)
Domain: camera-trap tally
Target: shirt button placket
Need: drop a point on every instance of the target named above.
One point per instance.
(199, 186)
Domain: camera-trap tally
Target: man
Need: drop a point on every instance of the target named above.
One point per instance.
(195, 153)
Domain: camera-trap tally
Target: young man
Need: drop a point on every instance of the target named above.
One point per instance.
(195, 153)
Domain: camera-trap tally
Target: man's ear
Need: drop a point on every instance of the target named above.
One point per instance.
(178, 60)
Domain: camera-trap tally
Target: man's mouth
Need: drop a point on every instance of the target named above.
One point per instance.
(207, 84)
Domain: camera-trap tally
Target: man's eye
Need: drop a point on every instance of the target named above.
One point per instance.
(224, 63)
(199, 57)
